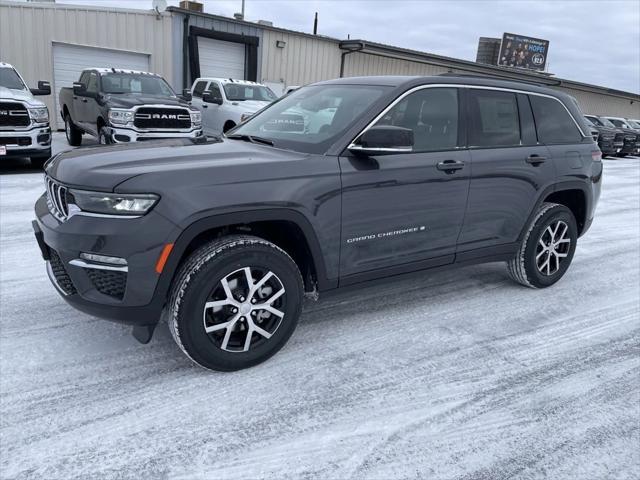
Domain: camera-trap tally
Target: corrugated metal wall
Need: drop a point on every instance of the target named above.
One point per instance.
(303, 59)
(27, 33)
(598, 104)
(358, 63)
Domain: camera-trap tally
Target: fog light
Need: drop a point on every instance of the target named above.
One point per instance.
(92, 257)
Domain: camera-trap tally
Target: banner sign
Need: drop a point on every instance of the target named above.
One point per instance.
(523, 52)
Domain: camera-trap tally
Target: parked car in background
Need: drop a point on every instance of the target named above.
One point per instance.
(629, 128)
(122, 106)
(227, 236)
(606, 138)
(24, 120)
(625, 139)
(225, 102)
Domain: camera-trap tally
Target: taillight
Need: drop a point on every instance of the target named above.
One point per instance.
(596, 155)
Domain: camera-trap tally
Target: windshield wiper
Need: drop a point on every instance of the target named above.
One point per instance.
(251, 138)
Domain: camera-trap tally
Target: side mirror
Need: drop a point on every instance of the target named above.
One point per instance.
(79, 89)
(44, 88)
(384, 140)
(186, 95)
(208, 97)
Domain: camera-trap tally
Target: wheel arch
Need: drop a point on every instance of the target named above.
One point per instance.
(287, 228)
(576, 196)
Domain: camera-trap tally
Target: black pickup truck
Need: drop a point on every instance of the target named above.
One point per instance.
(121, 106)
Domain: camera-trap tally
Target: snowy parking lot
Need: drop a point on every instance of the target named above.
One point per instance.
(462, 374)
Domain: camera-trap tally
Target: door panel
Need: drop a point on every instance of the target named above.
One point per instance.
(400, 208)
(504, 189)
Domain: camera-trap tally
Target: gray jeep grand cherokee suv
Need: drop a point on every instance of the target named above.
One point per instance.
(336, 184)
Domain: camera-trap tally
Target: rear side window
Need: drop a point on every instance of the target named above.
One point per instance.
(493, 119)
(199, 88)
(432, 114)
(553, 122)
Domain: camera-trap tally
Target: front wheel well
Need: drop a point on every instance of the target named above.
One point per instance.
(284, 233)
(575, 200)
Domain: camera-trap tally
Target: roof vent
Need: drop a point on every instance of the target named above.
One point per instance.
(268, 23)
(191, 5)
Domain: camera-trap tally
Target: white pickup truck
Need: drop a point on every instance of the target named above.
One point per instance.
(24, 121)
(225, 102)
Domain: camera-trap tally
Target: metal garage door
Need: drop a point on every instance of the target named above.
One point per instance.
(221, 59)
(70, 60)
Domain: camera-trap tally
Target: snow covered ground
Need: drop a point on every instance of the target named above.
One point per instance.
(462, 374)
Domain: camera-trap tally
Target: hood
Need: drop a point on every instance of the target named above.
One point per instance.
(250, 106)
(129, 100)
(103, 167)
(605, 130)
(20, 95)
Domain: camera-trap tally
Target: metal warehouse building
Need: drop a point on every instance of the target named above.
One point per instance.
(48, 41)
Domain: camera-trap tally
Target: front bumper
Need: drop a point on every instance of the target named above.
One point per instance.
(128, 135)
(85, 285)
(26, 143)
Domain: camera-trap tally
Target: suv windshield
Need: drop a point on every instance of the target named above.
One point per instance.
(238, 92)
(606, 123)
(311, 118)
(633, 123)
(9, 78)
(136, 83)
(619, 123)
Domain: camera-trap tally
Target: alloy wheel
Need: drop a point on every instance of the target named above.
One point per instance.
(553, 247)
(245, 309)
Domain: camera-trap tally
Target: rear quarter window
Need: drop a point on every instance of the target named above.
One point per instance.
(553, 122)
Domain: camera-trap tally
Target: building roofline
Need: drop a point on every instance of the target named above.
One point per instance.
(444, 61)
(79, 6)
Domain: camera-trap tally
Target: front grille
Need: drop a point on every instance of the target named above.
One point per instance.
(162, 118)
(13, 114)
(20, 141)
(57, 198)
(60, 273)
(109, 282)
(619, 137)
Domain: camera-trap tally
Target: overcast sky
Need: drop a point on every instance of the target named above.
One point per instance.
(590, 41)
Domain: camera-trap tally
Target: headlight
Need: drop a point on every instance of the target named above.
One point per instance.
(113, 203)
(39, 115)
(196, 117)
(119, 116)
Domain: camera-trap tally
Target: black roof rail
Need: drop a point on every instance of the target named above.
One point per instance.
(496, 77)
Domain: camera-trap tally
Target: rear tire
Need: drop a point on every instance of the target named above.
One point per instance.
(217, 273)
(74, 135)
(547, 248)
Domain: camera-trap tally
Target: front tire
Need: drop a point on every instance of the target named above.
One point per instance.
(547, 248)
(235, 303)
(74, 135)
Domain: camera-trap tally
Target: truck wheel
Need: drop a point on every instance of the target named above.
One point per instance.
(74, 135)
(235, 302)
(103, 137)
(547, 249)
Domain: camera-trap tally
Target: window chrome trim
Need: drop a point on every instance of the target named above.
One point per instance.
(465, 86)
(360, 148)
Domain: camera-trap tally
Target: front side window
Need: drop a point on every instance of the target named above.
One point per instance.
(553, 122)
(214, 88)
(92, 83)
(123, 83)
(237, 92)
(199, 89)
(432, 115)
(312, 118)
(493, 119)
(9, 78)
